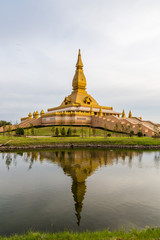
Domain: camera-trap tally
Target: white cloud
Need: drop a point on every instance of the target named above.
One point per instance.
(39, 42)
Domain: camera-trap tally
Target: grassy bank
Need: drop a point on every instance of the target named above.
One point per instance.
(55, 141)
(145, 234)
(76, 130)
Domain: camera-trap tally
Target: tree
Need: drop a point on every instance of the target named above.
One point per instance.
(94, 132)
(4, 123)
(105, 130)
(52, 131)
(32, 129)
(69, 132)
(57, 132)
(63, 132)
(9, 130)
(19, 131)
(82, 131)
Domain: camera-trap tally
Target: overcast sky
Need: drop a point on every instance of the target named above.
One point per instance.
(120, 47)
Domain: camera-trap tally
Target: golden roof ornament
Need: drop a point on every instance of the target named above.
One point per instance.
(130, 114)
(42, 113)
(30, 115)
(123, 114)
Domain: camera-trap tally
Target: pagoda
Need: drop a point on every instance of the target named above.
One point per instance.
(80, 108)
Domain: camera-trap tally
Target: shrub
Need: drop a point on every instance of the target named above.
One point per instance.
(19, 131)
(131, 133)
(140, 134)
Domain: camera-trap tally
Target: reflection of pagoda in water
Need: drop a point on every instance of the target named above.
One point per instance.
(81, 164)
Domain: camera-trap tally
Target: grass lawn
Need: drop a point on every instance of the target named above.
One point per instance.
(145, 234)
(76, 130)
(30, 141)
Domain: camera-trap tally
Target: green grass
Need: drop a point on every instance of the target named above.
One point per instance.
(76, 130)
(145, 234)
(28, 141)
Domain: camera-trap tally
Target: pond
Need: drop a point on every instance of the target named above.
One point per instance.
(54, 190)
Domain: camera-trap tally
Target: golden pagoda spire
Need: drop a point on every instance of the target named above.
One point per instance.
(79, 64)
(130, 114)
(79, 80)
(123, 114)
(78, 190)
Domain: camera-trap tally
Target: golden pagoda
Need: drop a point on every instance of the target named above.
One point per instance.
(80, 108)
(79, 99)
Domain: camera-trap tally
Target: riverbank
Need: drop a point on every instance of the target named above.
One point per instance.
(11, 142)
(134, 234)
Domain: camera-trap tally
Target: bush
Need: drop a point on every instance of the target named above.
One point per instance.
(69, 132)
(140, 134)
(131, 133)
(63, 132)
(19, 131)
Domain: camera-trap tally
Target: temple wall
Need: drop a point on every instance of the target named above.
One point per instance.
(67, 120)
(121, 125)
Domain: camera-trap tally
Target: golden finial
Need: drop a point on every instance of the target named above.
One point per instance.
(130, 114)
(30, 115)
(123, 114)
(42, 113)
(34, 115)
(79, 64)
(37, 114)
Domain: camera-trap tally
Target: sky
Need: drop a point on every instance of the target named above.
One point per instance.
(120, 48)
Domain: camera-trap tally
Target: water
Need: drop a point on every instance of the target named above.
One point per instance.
(78, 190)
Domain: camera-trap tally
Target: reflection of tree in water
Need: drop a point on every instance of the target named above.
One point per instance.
(157, 159)
(79, 165)
(8, 160)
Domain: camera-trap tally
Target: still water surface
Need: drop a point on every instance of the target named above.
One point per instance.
(78, 190)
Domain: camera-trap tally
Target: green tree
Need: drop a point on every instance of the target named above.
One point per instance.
(9, 130)
(105, 130)
(52, 131)
(94, 132)
(19, 131)
(32, 129)
(57, 132)
(82, 132)
(63, 132)
(69, 132)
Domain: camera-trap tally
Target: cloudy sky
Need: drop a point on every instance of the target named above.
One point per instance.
(120, 47)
